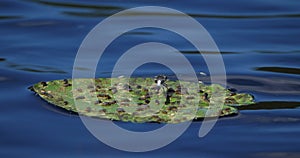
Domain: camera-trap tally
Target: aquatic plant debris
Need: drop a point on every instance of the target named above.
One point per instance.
(138, 99)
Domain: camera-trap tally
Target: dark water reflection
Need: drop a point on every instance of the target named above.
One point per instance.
(259, 42)
(280, 70)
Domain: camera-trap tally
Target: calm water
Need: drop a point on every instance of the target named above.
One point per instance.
(259, 41)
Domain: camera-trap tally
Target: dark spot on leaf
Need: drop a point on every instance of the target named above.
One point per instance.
(155, 117)
(67, 85)
(127, 87)
(113, 90)
(145, 90)
(66, 81)
(205, 97)
(148, 96)
(138, 86)
(102, 111)
(230, 101)
(44, 84)
(113, 102)
(80, 97)
(108, 96)
(167, 102)
(164, 112)
(104, 96)
(98, 102)
(120, 110)
(98, 80)
(43, 92)
(147, 101)
(232, 94)
(170, 92)
(226, 111)
(172, 108)
(48, 95)
(106, 104)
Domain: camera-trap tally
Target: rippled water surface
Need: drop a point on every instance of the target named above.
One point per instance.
(258, 39)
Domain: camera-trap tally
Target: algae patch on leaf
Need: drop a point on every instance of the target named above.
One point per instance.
(140, 99)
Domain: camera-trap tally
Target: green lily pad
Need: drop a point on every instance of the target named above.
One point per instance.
(140, 99)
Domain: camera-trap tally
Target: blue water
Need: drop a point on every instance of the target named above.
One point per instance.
(259, 41)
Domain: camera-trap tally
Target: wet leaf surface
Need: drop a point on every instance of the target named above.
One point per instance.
(141, 100)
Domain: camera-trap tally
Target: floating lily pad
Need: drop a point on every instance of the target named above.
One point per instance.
(140, 99)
